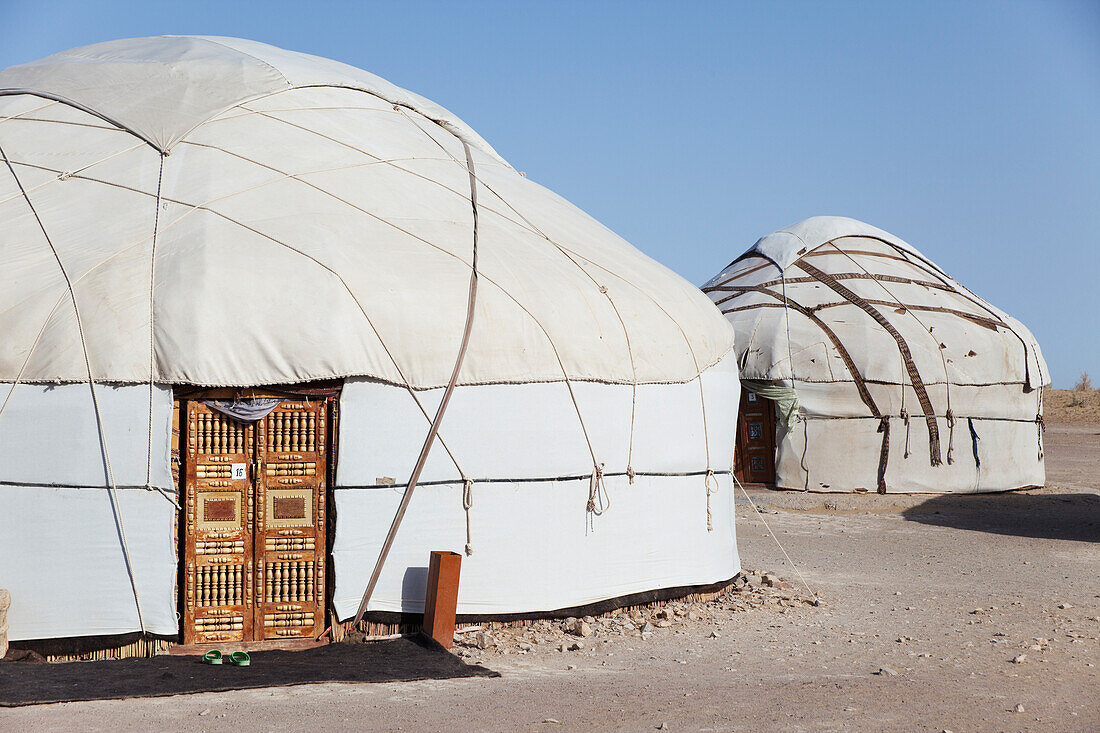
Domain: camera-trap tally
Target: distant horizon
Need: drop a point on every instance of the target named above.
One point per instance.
(968, 131)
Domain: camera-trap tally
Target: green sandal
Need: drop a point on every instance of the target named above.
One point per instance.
(241, 659)
(212, 657)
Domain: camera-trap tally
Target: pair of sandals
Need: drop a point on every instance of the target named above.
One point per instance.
(214, 656)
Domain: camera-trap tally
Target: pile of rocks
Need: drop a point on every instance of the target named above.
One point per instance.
(749, 591)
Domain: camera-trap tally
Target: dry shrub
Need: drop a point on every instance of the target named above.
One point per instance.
(1080, 390)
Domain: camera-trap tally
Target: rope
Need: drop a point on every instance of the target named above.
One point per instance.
(707, 481)
(433, 431)
(111, 487)
(152, 331)
(1039, 425)
(801, 577)
(467, 502)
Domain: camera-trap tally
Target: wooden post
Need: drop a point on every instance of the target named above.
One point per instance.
(441, 598)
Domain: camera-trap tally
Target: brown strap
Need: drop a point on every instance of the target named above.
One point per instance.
(849, 363)
(884, 454)
(907, 356)
(434, 430)
(848, 276)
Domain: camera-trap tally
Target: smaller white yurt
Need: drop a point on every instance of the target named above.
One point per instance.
(878, 371)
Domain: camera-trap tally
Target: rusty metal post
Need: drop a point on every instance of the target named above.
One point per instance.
(441, 598)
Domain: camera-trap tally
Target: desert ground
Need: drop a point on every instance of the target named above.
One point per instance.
(936, 613)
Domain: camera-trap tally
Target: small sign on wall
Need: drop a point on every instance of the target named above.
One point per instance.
(240, 471)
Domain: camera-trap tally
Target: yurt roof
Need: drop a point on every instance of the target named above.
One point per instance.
(163, 87)
(220, 212)
(787, 245)
(832, 299)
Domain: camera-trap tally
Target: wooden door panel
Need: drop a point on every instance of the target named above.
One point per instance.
(754, 454)
(290, 522)
(218, 546)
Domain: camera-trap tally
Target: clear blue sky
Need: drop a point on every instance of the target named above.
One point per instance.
(972, 130)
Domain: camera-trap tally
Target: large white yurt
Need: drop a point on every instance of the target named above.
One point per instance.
(238, 286)
(877, 369)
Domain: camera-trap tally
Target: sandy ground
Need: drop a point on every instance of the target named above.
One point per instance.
(926, 603)
(1072, 407)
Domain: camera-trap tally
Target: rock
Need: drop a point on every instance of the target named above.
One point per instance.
(663, 624)
(715, 635)
(581, 628)
(694, 616)
(483, 640)
(662, 613)
(570, 666)
(205, 712)
(771, 580)
(589, 620)
(887, 672)
(740, 581)
(551, 720)
(1019, 708)
(1064, 606)
(576, 646)
(525, 646)
(648, 628)
(663, 726)
(1019, 659)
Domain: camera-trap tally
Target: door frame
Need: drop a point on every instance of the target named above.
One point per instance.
(327, 392)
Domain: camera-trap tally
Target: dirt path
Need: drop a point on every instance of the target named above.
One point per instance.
(926, 604)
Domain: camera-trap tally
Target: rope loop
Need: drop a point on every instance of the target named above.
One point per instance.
(708, 481)
(1040, 427)
(597, 504)
(905, 420)
(467, 502)
(950, 436)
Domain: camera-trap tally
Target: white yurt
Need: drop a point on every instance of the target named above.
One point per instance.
(247, 296)
(880, 371)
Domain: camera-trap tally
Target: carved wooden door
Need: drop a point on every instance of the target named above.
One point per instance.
(754, 454)
(254, 531)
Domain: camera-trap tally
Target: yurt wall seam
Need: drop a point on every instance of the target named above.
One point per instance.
(111, 492)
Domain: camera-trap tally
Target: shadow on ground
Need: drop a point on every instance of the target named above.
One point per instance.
(1048, 516)
(396, 660)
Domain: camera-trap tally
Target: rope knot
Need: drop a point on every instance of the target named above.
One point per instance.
(630, 474)
(594, 491)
